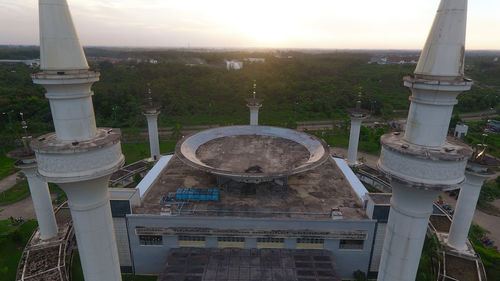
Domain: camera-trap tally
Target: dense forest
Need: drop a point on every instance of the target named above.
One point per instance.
(194, 87)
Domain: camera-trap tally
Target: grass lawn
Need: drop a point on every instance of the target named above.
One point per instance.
(6, 166)
(11, 247)
(338, 138)
(136, 151)
(489, 255)
(77, 273)
(15, 193)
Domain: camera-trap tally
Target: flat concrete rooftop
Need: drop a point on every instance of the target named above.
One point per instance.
(197, 264)
(310, 194)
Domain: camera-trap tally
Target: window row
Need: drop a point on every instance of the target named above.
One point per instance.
(343, 244)
(231, 239)
(311, 240)
(270, 240)
(150, 239)
(191, 238)
(351, 244)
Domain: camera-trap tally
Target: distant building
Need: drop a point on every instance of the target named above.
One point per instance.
(394, 60)
(234, 64)
(104, 59)
(494, 126)
(30, 63)
(461, 130)
(256, 59)
(495, 59)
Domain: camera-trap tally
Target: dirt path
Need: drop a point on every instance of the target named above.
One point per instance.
(23, 208)
(8, 182)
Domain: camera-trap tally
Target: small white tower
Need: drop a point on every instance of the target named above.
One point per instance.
(423, 163)
(151, 112)
(356, 118)
(254, 104)
(39, 189)
(79, 157)
(478, 170)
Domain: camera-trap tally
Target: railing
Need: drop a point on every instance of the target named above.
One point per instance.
(63, 242)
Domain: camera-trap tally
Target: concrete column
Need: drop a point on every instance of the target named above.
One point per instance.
(254, 114)
(154, 143)
(42, 202)
(90, 209)
(429, 115)
(464, 211)
(405, 234)
(352, 151)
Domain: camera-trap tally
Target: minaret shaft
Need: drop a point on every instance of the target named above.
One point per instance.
(154, 142)
(254, 114)
(352, 150)
(464, 211)
(423, 163)
(78, 156)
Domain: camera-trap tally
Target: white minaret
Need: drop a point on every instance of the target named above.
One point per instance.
(39, 189)
(151, 112)
(423, 163)
(254, 104)
(356, 118)
(478, 170)
(78, 157)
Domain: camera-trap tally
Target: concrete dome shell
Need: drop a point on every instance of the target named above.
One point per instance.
(187, 150)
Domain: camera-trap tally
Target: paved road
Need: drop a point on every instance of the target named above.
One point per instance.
(8, 182)
(23, 208)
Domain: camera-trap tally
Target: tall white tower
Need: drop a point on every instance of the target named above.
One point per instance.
(254, 104)
(151, 112)
(423, 163)
(478, 170)
(78, 156)
(39, 189)
(356, 118)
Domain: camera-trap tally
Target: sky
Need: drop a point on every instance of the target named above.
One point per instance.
(322, 24)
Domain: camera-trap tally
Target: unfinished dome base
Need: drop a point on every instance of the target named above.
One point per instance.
(252, 154)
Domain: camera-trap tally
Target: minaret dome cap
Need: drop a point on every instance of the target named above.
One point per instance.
(60, 48)
(443, 55)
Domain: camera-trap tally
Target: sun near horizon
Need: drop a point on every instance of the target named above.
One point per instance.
(360, 24)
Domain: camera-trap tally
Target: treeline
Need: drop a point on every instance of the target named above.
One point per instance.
(196, 88)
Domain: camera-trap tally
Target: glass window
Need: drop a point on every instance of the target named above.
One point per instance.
(270, 240)
(150, 239)
(311, 240)
(231, 239)
(191, 238)
(351, 244)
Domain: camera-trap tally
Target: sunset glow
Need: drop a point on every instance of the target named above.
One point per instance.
(335, 24)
